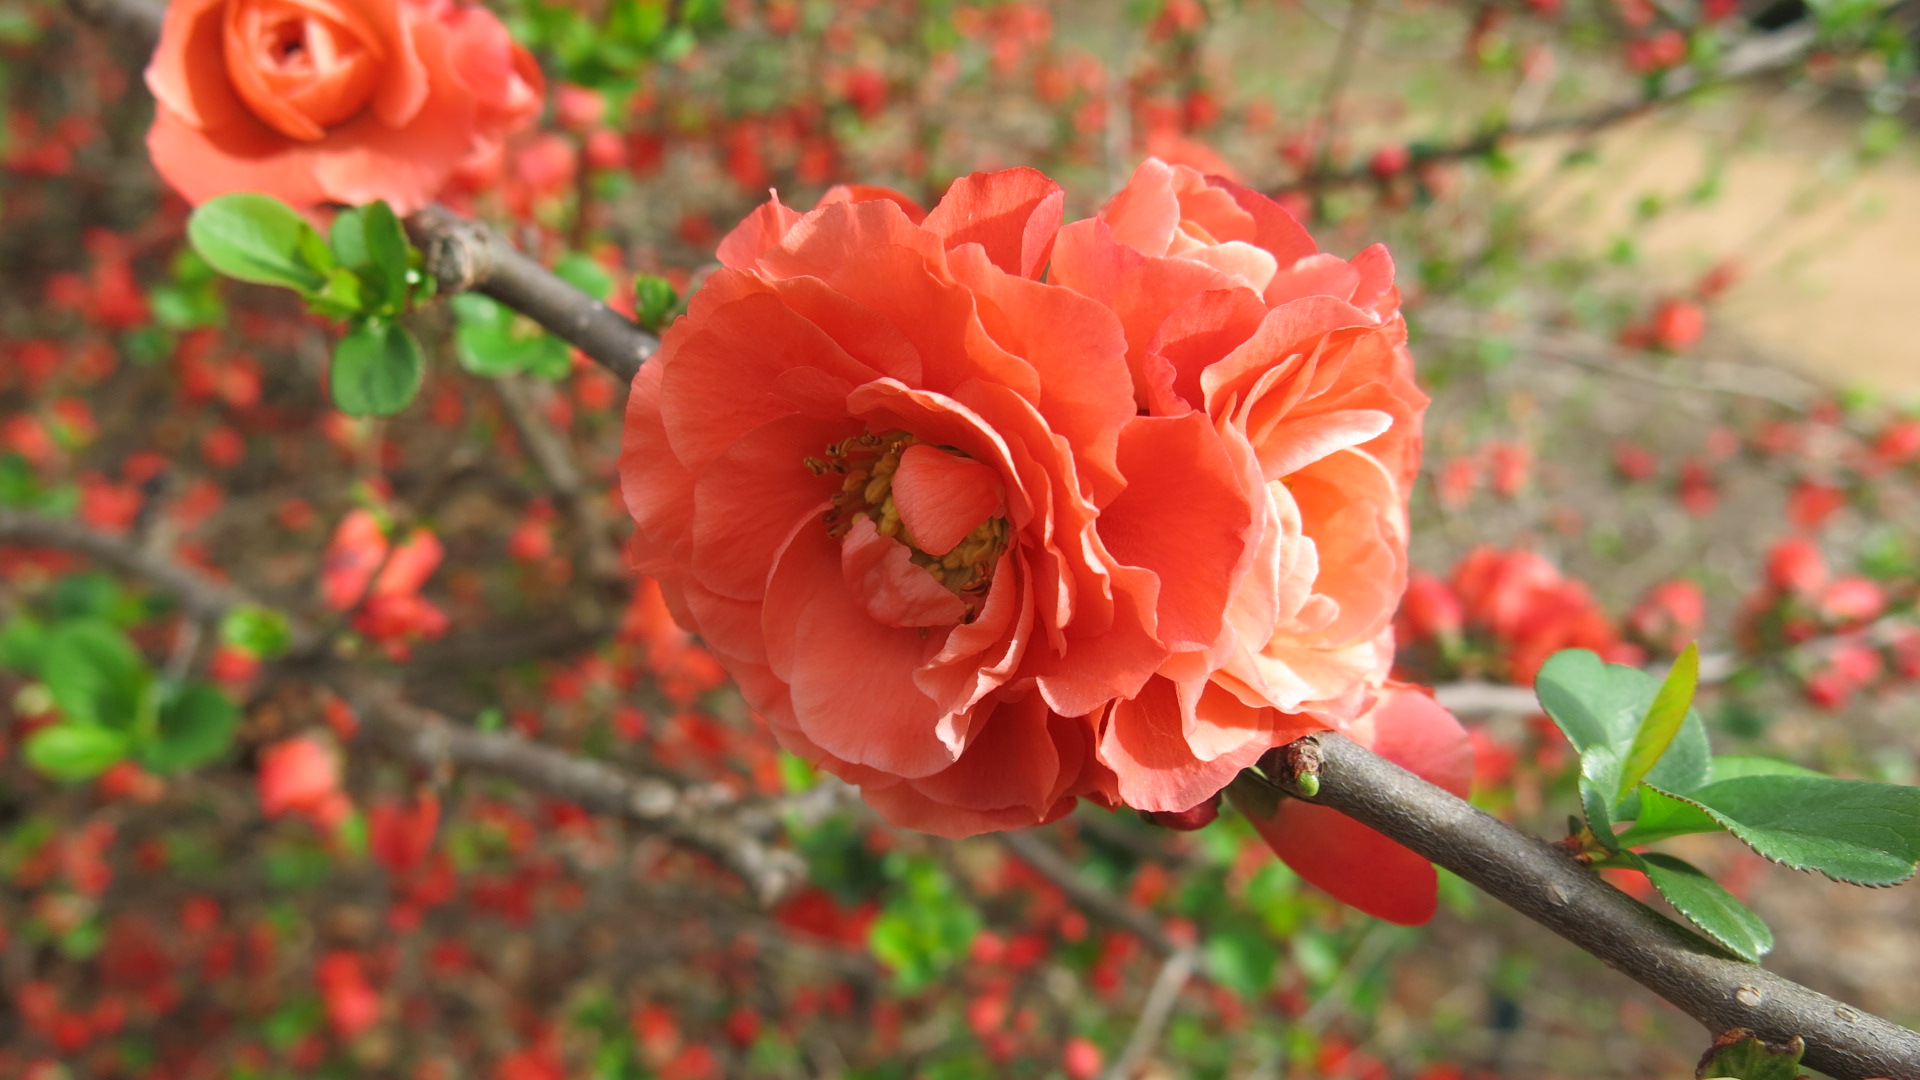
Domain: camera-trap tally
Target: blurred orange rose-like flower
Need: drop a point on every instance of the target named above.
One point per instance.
(332, 101)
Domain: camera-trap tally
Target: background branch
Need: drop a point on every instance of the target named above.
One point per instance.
(709, 819)
(1755, 56)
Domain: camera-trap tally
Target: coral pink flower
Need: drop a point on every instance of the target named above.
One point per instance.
(301, 776)
(333, 101)
(901, 488)
(388, 609)
(1297, 360)
(351, 1002)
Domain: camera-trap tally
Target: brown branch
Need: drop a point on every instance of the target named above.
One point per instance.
(1545, 884)
(465, 255)
(201, 596)
(709, 819)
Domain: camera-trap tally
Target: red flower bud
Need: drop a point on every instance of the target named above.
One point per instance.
(1796, 566)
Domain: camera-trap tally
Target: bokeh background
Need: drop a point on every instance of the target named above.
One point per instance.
(1661, 268)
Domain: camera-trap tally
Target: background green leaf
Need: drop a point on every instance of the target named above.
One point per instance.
(197, 725)
(72, 751)
(377, 369)
(94, 674)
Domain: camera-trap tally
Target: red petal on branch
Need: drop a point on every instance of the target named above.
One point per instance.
(1353, 863)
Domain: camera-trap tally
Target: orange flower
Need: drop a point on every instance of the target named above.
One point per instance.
(341, 101)
(1297, 359)
(901, 489)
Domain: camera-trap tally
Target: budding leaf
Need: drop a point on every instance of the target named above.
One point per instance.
(1600, 708)
(377, 369)
(1663, 816)
(1737, 1055)
(1708, 906)
(259, 632)
(653, 298)
(260, 239)
(1661, 724)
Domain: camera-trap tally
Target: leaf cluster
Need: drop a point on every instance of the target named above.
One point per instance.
(108, 704)
(1645, 763)
(363, 272)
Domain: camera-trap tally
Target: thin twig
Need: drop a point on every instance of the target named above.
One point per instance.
(1346, 56)
(1761, 54)
(553, 454)
(1094, 900)
(1161, 998)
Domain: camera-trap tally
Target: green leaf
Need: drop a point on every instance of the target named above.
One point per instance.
(492, 341)
(387, 242)
(260, 239)
(377, 369)
(256, 631)
(796, 773)
(1733, 766)
(583, 273)
(1241, 958)
(1600, 706)
(1663, 816)
(343, 296)
(1661, 723)
(1738, 1055)
(348, 238)
(1850, 830)
(371, 239)
(94, 674)
(1708, 906)
(197, 725)
(75, 751)
(926, 927)
(94, 595)
(23, 642)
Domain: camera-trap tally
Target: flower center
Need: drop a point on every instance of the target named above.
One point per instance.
(871, 464)
(301, 66)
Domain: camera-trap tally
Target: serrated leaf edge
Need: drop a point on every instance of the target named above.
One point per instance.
(1710, 812)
